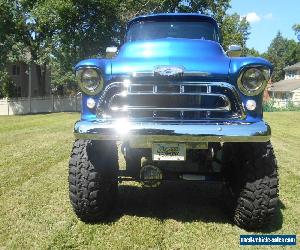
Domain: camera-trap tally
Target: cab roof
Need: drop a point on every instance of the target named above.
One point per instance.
(173, 17)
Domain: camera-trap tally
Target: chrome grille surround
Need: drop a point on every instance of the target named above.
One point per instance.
(184, 100)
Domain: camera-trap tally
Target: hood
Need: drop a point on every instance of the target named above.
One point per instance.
(194, 55)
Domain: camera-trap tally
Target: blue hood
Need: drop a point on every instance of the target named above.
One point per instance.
(193, 55)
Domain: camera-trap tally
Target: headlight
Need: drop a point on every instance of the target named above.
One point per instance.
(253, 81)
(90, 80)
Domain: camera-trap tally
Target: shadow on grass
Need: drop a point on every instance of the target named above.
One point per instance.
(184, 202)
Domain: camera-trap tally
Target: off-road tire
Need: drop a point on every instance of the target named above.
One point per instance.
(251, 169)
(93, 179)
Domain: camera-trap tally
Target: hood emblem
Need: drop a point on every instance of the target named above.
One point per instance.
(168, 71)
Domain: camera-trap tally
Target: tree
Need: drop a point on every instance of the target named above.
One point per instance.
(7, 86)
(84, 29)
(281, 53)
(55, 32)
(132, 8)
(296, 28)
(8, 26)
(59, 33)
(24, 39)
(235, 30)
(251, 52)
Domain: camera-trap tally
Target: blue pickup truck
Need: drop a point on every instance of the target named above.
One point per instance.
(180, 108)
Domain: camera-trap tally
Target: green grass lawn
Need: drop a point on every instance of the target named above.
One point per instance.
(35, 211)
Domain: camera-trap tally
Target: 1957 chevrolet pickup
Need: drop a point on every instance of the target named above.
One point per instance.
(181, 109)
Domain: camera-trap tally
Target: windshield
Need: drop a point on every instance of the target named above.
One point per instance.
(175, 29)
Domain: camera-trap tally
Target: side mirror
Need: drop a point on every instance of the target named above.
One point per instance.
(111, 52)
(234, 51)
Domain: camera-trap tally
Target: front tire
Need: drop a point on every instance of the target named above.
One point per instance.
(251, 170)
(93, 179)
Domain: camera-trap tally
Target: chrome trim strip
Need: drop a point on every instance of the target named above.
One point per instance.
(181, 85)
(173, 93)
(185, 73)
(196, 73)
(128, 108)
(144, 134)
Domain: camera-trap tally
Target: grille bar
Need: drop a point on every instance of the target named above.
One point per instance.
(183, 100)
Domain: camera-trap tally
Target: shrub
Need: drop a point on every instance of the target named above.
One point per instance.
(269, 106)
(290, 106)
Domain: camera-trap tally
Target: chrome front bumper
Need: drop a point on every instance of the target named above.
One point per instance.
(143, 134)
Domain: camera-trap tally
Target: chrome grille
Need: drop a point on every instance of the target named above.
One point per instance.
(170, 100)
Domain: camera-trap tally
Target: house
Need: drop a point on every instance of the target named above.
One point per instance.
(287, 90)
(292, 72)
(40, 79)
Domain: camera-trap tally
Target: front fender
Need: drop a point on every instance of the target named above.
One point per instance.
(104, 65)
(237, 65)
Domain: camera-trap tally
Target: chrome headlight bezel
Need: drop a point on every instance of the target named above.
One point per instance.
(98, 85)
(261, 85)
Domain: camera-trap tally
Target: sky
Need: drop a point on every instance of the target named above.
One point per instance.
(266, 18)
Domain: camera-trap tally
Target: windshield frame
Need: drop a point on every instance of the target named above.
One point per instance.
(173, 17)
(214, 33)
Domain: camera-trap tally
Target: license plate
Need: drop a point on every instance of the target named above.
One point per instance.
(168, 152)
